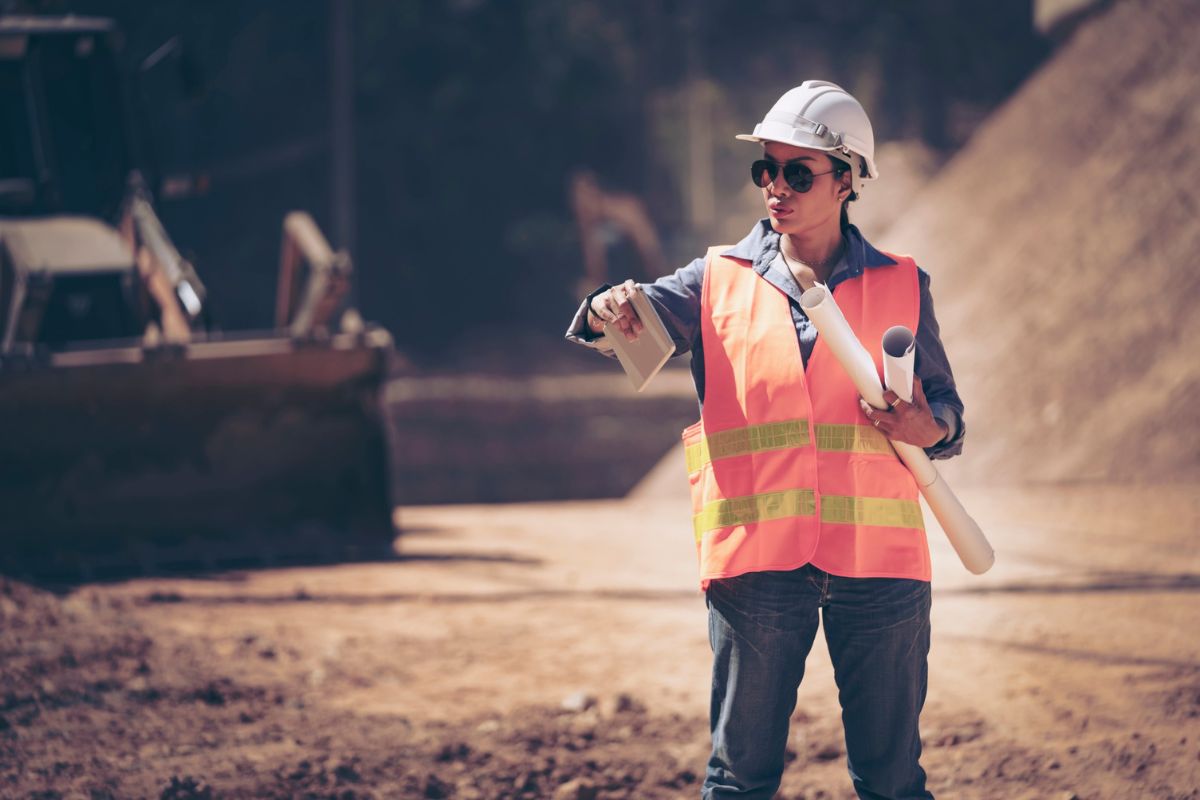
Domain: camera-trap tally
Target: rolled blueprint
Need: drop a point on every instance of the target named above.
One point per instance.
(963, 532)
(899, 353)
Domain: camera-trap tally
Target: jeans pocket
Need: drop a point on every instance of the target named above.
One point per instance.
(773, 601)
(880, 605)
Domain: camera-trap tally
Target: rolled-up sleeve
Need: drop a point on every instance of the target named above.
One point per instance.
(933, 368)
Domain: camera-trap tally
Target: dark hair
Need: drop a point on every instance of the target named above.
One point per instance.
(840, 168)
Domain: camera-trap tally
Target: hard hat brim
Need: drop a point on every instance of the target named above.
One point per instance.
(784, 134)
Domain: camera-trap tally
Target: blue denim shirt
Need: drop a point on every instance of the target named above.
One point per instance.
(676, 297)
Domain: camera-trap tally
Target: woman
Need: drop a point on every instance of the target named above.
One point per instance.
(802, 512)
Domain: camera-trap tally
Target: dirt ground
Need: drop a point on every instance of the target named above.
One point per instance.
(559, 651)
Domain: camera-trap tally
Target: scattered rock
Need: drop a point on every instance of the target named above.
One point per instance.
(187, 788)
(620, 703)
(457, 751)
(346, 773)
(683, 778)
(954, 734)
(211, 695)
(436, 788)
(577, 789)
(525, 782)
(578, 701)
(828, 752)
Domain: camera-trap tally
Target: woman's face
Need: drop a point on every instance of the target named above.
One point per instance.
(795, 212)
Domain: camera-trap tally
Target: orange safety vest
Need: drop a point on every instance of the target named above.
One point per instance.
(785, 468)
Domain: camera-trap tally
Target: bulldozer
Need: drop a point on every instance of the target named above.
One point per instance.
(134, 436)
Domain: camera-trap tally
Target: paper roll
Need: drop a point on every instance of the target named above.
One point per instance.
(963, 532)
(899, 353)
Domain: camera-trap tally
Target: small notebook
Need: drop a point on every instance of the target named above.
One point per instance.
(645, 356)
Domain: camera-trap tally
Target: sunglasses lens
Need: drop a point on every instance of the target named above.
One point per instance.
(799, 177)
(763, 172)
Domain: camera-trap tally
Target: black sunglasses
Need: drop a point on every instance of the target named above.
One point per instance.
(796, 175)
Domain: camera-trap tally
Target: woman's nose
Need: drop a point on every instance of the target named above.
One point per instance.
(779, 185)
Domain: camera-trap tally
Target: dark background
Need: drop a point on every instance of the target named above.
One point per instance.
(469, 116)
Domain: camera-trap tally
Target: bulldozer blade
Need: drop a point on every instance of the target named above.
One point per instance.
(249, 450)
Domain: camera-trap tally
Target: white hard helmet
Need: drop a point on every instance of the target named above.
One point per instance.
(823, 116)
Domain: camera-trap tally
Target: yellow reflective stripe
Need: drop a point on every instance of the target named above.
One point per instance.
(885, 511)
(754, 508)
(836, 438)
(751, 439)
(851, 439)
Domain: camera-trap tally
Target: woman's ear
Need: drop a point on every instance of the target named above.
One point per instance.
(844, 190)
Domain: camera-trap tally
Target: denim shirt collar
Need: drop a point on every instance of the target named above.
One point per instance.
(761, 246)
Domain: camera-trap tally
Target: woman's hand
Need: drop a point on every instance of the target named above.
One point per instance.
(907, 422)
(613, 307)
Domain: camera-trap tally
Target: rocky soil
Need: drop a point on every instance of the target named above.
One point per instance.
(559, 651)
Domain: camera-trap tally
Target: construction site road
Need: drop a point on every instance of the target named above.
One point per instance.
(560, 651)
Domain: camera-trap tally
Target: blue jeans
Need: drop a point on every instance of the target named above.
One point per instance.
(761, 626)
